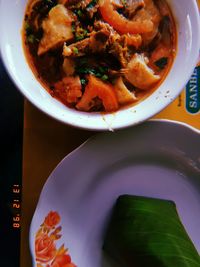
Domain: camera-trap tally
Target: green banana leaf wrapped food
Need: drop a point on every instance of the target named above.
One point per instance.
(148, 232)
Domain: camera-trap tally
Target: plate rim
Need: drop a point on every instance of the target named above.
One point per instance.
(90, 139)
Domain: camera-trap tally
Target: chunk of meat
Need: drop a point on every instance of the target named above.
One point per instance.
(78, 3)
(139, 74)
(101, 25)
(118, 50)
(57, 29)
(79, 48)
(69, 89)
(133, 40)
(124, 96)
(104, 91)
(132, 6)
(149, 13)
(117, 45)
(97, 42)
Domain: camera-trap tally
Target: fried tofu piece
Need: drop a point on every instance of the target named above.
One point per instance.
(57, 29)
(139, 74)
(124, 96)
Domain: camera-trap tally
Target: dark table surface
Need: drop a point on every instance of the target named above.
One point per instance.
(11, 138)
(38, 143)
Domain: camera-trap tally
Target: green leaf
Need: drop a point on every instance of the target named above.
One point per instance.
(83, 81)
(124, 2)
(104, 77)
(75, 50)
(31, 38)
(161, 63)
(73, 27)
(148, 232)
(26, 25)
(92, 4)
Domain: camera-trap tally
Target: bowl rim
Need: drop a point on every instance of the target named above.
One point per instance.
(82, 124)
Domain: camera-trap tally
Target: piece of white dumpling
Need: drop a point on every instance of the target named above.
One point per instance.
(139, 74)
(124, 96)
(57, 29)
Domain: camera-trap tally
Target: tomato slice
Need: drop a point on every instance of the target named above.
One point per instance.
(122, 24)
(98, 88)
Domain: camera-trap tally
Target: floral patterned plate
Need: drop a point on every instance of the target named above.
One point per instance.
(156, 159)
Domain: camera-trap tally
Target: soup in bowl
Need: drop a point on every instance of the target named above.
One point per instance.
(101, 64)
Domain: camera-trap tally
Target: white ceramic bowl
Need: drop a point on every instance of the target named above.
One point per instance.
(187, 18)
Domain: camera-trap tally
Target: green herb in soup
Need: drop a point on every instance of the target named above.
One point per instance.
(99, 55)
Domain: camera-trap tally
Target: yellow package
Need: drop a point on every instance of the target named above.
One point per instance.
(186, 108)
